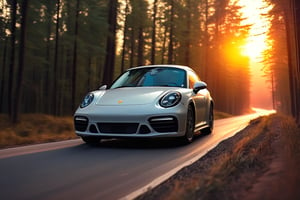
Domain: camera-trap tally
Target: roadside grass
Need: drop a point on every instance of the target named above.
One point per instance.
(245, 155)
(230, 170)
(290, 181)
(292, 138)
(250, 158)
(35, 128)
(229, 165)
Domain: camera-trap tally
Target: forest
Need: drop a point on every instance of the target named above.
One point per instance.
(53, 52)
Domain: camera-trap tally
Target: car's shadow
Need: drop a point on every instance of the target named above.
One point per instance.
(136, 143)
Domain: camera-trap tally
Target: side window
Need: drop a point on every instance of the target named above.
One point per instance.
(193, 78)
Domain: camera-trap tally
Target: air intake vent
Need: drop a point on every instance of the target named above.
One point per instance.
(164, 124)
(81, 123)
(144, 130)
(93, 129)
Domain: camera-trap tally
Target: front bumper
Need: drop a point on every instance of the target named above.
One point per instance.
(140, 121)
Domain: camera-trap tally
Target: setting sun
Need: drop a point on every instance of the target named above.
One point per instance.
(254, 11)
(255, 47)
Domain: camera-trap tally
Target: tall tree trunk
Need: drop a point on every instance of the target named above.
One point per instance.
(188, 32)
(55, 67)
(22, 51)
(132, 47)
(125, 31)
(75, 58)
(48, 86)
(291, 65)
(153, 42)
(163, 51)
(3, 72)
(296, 70)
(13, 13)
(89, 73)
(140, 47)
(171, 48)
(111, 43)
(206, 45)
(292, 19)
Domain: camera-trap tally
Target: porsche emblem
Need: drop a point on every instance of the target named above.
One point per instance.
(120, 101)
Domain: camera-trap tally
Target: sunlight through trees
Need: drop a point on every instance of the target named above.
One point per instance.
(53, 52)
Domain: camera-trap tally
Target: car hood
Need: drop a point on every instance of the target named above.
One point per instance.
(130, 96)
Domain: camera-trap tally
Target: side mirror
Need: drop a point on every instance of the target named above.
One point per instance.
(103, 87)
(199, 85)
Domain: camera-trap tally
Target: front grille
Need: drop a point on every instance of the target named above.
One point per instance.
(81, 123)
(164, 124)
(118, 128)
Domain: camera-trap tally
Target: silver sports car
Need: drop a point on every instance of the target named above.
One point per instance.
(147, 102)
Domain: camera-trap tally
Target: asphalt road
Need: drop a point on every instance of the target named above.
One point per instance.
(116, 169)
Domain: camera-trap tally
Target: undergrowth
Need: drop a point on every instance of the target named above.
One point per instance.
(35, 128)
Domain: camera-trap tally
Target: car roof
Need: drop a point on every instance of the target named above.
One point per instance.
(164, 65)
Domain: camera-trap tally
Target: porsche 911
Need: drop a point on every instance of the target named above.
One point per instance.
(151, 101)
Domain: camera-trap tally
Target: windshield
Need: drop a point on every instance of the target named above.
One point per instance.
(156, 76)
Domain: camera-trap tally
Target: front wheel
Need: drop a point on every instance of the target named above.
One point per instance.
(190, 126)
(210, 127)
(91, 139)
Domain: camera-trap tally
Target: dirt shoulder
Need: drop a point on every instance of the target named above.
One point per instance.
(260, 162)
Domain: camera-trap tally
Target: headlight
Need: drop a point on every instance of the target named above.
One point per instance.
(170, 99)
(87, 100)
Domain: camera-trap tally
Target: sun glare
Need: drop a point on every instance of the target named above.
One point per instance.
(255, 13)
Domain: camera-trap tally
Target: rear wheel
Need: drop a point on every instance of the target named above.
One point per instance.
(210, 127)
(190, 126)
(91, 139)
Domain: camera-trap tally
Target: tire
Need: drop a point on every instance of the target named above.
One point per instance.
(210, 127)
(190, 126)
(91, 139)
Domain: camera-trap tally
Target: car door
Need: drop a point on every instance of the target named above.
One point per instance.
(199, 100)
